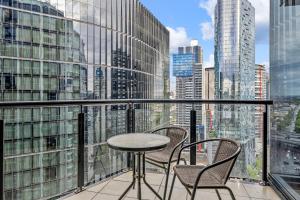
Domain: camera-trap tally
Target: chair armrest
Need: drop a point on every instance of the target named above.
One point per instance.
(195, 143)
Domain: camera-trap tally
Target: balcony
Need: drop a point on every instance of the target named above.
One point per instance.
(112, 188)
(67, 149)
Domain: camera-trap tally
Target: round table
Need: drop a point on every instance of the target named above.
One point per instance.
(138, 143)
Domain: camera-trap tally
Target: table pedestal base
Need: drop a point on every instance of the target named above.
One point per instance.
(138, 176)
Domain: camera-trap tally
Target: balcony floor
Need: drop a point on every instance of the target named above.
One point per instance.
(111, 190)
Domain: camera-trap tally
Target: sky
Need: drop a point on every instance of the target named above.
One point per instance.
(193, 19)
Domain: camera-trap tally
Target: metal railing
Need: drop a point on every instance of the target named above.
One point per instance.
(131, 125)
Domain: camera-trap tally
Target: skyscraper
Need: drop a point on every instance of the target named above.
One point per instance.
(72, 50)
(209, 93)
(188, 72)
(260, 94)
(285, 91)
(235, 74)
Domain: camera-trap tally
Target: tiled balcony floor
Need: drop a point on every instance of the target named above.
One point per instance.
(111, 190)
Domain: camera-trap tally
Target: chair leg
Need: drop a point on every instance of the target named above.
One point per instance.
(219, 196)
(230, 192)
(183, 160)
(193, 193)
(172, 185)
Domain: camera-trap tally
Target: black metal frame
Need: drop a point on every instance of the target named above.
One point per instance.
(137, 176)
(167, 170)
(81, 120)
(2, 159)
(80, 176)
(195, 187)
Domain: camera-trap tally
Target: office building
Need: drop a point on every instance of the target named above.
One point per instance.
(285, 91)
(260, 94)
(261, 83)
(74, 50)
(187, 68)
(209, 94)
(235, 75)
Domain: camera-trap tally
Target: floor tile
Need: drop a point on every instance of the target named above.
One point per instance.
(237, 189)
(105, 197)
(112, 189)
(97, 187)
(154, 179)
(257, 191)
(115, 187)
(86, 195)
(146, 192)
(124, 177)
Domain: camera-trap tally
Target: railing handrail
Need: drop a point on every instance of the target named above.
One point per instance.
(5, 104)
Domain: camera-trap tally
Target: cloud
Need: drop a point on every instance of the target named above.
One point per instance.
(178, 37)
(207, 30)
(209, 6)
(262, 10)
(210, 62)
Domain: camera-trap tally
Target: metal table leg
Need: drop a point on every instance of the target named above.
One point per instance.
(132, 184)
(138, 176)
(139, 193)
(146, 183)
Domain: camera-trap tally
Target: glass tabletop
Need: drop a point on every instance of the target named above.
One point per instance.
(138, 142)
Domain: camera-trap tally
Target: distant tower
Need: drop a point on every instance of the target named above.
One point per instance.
(235, 75)
(188, 72)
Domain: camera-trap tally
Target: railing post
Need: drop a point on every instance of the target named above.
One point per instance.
(265, 148)
(193, 149)
(2, 159)
(130, 127)
(130, 119)
(80, 168)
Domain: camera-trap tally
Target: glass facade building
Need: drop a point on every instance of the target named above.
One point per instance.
(71, 50)
(235, 75)
(285, 91)
(188, 70)
(183, 65)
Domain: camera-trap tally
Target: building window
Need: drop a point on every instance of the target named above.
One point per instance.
(9, 82)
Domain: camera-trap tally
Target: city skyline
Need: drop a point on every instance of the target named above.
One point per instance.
(197, 23)
(75, 73)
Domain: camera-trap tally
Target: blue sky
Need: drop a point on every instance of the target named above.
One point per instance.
(192, 19)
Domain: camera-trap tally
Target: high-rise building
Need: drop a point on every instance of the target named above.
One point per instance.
(208, 112)
(285, 91)
(187, 68)
(260, 94)
(260, 82)
(209, 94)
(71, 50)
(235, 75)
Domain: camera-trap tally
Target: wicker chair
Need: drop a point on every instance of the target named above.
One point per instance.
(213, 176)
(165, 157)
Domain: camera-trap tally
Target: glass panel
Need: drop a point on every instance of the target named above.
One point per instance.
(284, 76)
(56, 50)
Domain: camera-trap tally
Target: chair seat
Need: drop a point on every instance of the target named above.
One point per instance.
(162, 156)
(187, 174)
